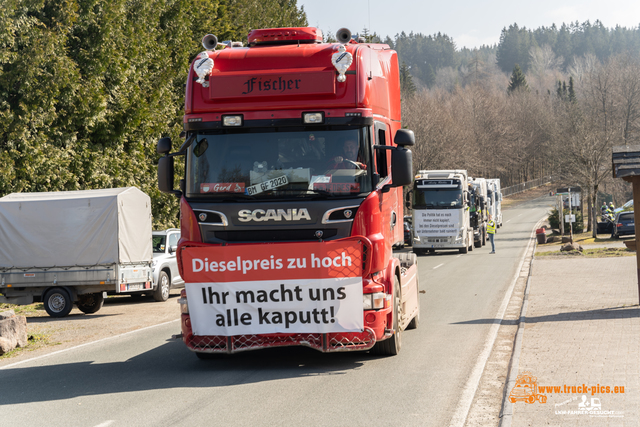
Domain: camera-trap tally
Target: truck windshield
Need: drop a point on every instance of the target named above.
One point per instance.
(435, 198)
(266, 163)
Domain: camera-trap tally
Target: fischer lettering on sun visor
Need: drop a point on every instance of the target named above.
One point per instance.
(260, 215)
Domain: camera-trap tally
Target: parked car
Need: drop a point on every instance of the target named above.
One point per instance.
(165, 265)
(408, 232)
(624, 208)
(623, 225)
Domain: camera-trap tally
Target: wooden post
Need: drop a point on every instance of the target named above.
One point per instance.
(635, 181)
(625, 161)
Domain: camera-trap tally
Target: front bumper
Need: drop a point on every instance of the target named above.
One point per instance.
(375, 329)
(448, 242)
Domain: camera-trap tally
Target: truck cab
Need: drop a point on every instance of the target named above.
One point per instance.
(293, 149)
(441, 211)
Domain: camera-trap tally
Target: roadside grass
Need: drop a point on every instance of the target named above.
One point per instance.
(588, 253)
(31, 310)
(585, 238)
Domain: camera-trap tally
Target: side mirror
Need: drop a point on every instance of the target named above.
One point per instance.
(404, 137)
(172, 249)
(164, 146)
(401, 166)
(165, 175)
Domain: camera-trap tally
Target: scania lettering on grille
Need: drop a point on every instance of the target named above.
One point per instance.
(258, 215)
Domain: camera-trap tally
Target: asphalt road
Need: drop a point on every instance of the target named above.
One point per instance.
(146, 378)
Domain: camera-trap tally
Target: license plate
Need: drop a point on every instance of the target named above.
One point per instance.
(268, 185)
(134, 286)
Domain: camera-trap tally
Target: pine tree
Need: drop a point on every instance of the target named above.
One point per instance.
(572, 93)
(407, 87)
(518, 80)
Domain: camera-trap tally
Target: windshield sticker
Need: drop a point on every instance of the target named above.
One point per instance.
(318, 179)
(338, 187)
(222, 187)
(267, 185)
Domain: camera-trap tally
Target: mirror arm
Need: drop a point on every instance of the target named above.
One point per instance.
(185, 145)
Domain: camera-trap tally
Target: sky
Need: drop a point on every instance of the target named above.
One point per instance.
(471, 23)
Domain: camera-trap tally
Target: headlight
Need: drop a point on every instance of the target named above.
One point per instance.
(373, 301)
(184, 306)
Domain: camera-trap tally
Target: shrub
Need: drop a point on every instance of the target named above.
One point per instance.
(578, 226)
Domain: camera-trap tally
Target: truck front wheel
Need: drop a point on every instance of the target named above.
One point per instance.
(90, 303)
(391, 346)
(57, 302)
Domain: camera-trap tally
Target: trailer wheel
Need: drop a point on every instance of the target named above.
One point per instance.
(57, 302)
(90, 303)
(391, 346)
(164, 285)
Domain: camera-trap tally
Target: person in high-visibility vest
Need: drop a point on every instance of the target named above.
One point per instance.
(491, 231)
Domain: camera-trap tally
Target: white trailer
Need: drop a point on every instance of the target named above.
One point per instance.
(481, 188)
(72, 247)
(440, 211)
(495, 197)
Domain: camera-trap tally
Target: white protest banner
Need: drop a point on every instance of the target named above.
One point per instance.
(313, 287)
(437, 222)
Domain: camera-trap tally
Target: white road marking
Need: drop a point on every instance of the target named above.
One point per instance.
(470, 388)
(85, 344)
(106, 423)
(438, 266)
(508, 221)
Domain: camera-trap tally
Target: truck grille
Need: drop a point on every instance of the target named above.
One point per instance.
(273, 235)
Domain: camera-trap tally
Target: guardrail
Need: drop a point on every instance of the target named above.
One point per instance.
(518, 188)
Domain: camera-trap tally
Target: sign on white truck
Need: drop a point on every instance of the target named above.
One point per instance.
(440, 211)
(70, 247)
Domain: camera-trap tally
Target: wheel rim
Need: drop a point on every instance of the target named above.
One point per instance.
(165, 287)
(56, 303)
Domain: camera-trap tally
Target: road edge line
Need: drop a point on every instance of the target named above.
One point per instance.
(506, 408)
(461, 413)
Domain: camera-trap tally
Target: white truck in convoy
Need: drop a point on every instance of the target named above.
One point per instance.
(69, 247)
(441, 211)
(482, 217)
(495, 200)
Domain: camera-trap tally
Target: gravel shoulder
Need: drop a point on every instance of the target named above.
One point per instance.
(120, 314)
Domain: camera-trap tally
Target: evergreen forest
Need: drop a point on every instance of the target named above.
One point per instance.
(88, 86)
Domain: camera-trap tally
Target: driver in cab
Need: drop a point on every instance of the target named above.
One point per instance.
(349, 158)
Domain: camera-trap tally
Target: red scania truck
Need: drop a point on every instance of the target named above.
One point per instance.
(291, 204)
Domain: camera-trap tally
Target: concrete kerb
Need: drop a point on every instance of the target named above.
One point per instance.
(506, 412)
(461, 412)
